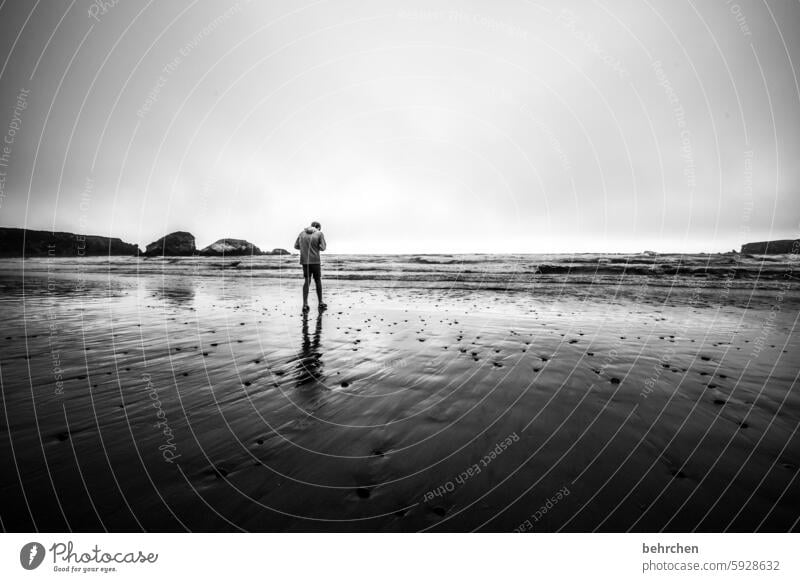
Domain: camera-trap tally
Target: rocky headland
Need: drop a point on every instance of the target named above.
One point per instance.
(772, 247)
(231, 247)
(21, 242)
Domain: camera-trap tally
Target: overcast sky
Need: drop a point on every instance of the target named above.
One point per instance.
(430, 126)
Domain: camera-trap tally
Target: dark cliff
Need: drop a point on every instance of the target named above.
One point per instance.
(175, 244)
(19, 242)
(771, 247)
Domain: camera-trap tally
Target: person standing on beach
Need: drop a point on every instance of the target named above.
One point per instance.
(310, 242)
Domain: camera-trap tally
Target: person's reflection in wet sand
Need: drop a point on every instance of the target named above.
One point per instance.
(310, 367)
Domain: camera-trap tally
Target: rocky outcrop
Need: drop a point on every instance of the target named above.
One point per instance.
(175, 244)
(771, 247)
(21, 242)
(231, 246)
(279, 252)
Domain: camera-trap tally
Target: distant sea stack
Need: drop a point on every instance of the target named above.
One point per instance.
(21, 242)
(771, 247)
(231, 247)
(279, 252)
(175, 244)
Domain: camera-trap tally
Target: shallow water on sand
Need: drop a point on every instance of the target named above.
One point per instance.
(168, 401)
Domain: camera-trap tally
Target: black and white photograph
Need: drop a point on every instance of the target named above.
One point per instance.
(386, 267)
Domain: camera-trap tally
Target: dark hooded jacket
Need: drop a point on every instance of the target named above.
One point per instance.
(310, 242)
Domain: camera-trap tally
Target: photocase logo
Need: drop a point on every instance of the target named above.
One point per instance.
(31, 555)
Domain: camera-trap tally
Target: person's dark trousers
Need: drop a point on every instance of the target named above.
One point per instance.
(313, 270)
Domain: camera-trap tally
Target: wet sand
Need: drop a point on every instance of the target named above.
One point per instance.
(172, 402)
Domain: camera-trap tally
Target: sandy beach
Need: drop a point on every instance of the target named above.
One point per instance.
(193, 395)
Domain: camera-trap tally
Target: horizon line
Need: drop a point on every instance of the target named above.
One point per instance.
(428, 253)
